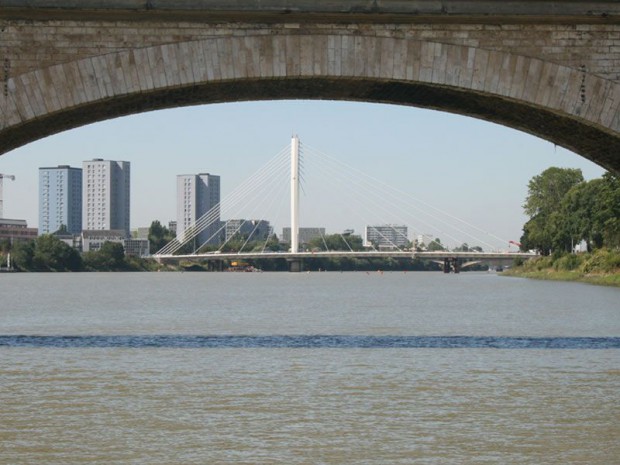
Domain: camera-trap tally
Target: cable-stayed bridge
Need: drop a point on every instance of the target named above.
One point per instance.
(264, 194)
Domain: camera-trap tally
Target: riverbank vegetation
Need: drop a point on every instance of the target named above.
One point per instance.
(601, 267)
(48, 253)
(566, 211)
(575, 225)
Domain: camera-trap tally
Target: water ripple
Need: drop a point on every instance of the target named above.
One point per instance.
(319, 341)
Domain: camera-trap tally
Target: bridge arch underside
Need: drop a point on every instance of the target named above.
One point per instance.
(565, 106)
(561, 130)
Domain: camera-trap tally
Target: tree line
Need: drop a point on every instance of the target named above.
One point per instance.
(48, 253)
(565, 210)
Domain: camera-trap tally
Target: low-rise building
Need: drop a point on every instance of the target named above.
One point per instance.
(305, 234)
(136, 247)
(387, 236)
(72, 240)
(141, 233)
(92, 240)
(16, 230)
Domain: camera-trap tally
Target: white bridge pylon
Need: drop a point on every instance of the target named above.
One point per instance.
(295, 194)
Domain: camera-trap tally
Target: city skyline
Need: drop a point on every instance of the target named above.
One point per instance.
(476, 169)
(60, 191)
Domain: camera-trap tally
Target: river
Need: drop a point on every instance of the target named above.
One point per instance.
(307, 368)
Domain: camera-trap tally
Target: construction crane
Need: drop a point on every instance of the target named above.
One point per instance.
(2, 177)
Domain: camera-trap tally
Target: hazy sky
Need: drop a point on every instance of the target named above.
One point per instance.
(475, 170)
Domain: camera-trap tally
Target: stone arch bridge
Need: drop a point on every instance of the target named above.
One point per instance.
(549, 68)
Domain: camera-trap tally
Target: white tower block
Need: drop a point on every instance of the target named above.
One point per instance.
(2, 177)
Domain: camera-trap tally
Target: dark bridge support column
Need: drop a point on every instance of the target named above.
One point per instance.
(451, 265)
(216, 265)
(295, 265)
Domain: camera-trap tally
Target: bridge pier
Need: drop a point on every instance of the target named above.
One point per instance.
(295, 265)
(216, 265)
(451, 265)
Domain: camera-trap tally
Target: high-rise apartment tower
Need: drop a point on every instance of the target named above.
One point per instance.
(199, 195)
(60, 199)
(105, 186)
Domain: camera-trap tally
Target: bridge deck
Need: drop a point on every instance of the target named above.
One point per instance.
(341, 254)
(390, 11)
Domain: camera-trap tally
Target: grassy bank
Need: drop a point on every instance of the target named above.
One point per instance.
(601, 267)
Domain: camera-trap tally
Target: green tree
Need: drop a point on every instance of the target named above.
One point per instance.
(273, 244)
(62, 230)
(575, 219)
(5, 247)
(546, 192)
(159, 236)
(607, 215)
(590, 211)
(110, 257)
(235, 244)
(22, 254)
(337, 242)
(466, 248)
(435, 245)
(51, 254)
(535, 235)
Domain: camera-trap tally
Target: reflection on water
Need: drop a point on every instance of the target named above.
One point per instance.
(150, 373)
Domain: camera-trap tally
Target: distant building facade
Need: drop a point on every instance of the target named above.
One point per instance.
(92, 241)
(105, 199)
(60, 199)
(141, 233)
(423, 240)
(136, 247)
(305, 234)
(197, 195)
(252, 230)
(16, 230)
(72, 240)
(172, 227)
(388, 236)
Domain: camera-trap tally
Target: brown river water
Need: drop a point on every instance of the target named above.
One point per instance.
(319, 368)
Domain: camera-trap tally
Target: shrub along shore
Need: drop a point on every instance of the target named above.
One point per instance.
(601, 267)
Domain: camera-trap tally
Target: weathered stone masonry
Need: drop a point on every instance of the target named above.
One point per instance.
(556, 79)
(31, 45)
